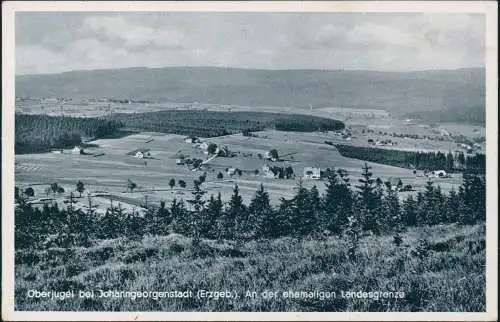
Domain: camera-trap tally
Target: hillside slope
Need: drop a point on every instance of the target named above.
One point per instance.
(396, 92)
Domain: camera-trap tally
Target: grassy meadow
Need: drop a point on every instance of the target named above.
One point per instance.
(439, 268)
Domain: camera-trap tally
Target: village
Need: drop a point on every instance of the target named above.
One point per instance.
(163, 166)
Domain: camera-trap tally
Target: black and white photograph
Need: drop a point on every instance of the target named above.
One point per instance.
(256, 161)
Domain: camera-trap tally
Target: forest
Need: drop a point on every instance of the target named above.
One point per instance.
(416, 159)
(41, 133)
(370, 205)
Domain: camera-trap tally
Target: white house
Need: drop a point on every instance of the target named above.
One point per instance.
(231, 171)
(312, 173)
(179, 162)
(204, 146)
(77, 150)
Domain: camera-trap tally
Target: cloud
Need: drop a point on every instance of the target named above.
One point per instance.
(55, 42)
(118, 29)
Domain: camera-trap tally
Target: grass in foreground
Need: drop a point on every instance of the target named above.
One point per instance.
(441, 268)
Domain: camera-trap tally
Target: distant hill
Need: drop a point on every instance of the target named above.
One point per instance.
(398, 93)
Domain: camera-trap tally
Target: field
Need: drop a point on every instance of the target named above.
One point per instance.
(107, 174)
(438, 269)
(429, 260)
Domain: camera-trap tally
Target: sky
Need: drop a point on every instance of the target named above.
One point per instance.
(60, 42)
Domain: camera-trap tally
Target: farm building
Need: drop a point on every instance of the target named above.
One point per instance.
(443, 132)
(140, 153)
(231, 171)
(191, 139)
(312, 173)
(77, 150)
(203, 146)
(268, 172)
(179, 162)
(437, 174)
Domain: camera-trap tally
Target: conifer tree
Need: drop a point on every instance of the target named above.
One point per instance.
(452, 207)
(198, 204)
(283, 221)
(392, 217)
(213, 214)
(369, 196)
(450, 160)
(303, 216)
(331, 202)
(260, 213)
(410, 211)
(235, 217)
(180, 217)
(317, 208)
(421, 214)
(472, 192)
(354, 228)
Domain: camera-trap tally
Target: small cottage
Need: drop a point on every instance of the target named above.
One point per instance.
(77, 150)
(312, 173)
(204, 146)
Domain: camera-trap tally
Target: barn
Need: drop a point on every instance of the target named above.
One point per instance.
(268, 172)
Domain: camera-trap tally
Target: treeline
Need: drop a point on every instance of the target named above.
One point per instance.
(41, 133)
(305, 123)
(344, 209)
(211, 123)
(417, 160)
(460, 114)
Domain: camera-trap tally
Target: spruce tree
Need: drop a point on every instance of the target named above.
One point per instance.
(317, 208)
(332, 201)
(392, 218)
(260, 213)
(198, 205)
(235, 216)
(180, 217)
(369, 195)
(213, 214)
(410, 211)
(452, 206)
(303, 216)
(472, 193)
(354, 227)
(284, 219)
